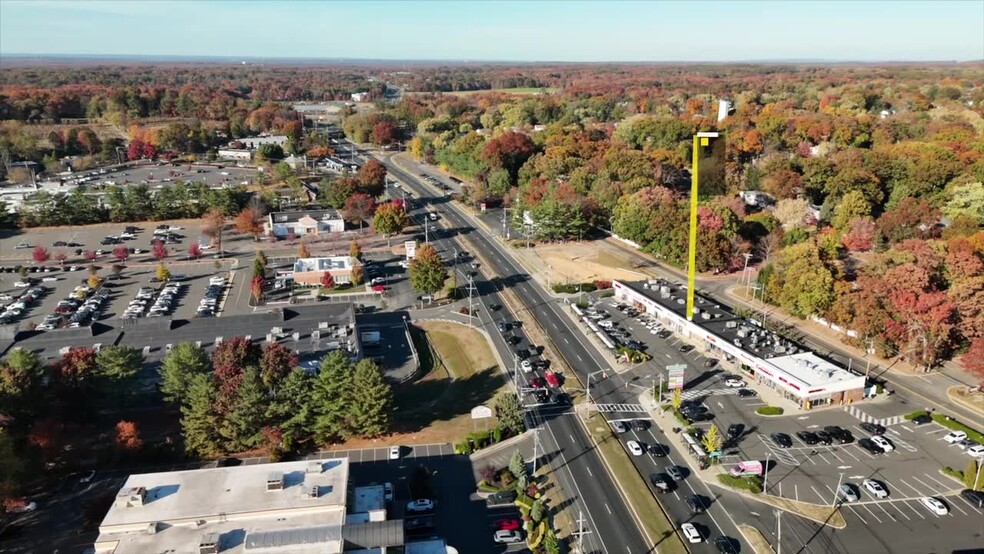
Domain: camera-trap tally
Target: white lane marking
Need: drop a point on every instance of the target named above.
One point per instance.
(609, 509)
(899, 510)
(855, 512)
(589, 471)
(820, 496)
(865, 506)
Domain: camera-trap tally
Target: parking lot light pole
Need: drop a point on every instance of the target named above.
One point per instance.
(765, 482)
(834, 501)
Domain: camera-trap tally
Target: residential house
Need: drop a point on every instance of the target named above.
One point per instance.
(303, 223)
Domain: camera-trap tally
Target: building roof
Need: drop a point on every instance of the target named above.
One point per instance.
(327, 214)
(332, 263)
(248, 508)
(369, 498)
(373, 534)
(812, 370)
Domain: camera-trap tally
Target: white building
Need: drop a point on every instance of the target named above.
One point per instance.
(725, 108)
(360, 97)
(301, 223)
(296, 507)
(797, 374)
(238, 154)
(254, 142)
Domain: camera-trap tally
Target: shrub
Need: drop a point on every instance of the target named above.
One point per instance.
(608, 294)
(575, 288)
(752, 484)
(602, 285)
(487, 473)
(954, 425)
(485, 487)
(681, 418)
(769, 410)
(950, 472)
(879, 388)
(463, 448)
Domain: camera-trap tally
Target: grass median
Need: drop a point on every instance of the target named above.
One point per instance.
(755, 539)
(654, 521)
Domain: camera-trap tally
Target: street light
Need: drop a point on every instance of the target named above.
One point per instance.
(765, 482)
(590, 375)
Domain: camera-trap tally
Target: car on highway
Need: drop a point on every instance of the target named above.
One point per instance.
(526, 366)
(691, 533)
(870, 446)
(553, 379)
(883, 443)
(872, 428)
(635, 448)
(507, 536)
(657, 450)
(807, 437)
(639, 425)
(953, 437)
(674, 472)
(537, 383)
(847, 492)
(934, 505)
(696, 503)
(726, 545)
(619, 427)
(735, 383)
(661, 482)
(421, 505)
(503, 326)
(782, 440)
(876, 488)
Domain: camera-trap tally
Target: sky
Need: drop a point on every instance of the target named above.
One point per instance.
(571, 31)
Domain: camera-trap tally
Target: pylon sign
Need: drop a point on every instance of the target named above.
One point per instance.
(675, 375)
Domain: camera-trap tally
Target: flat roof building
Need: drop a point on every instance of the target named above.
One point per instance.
(304, 222)
(309, 271)
(296, 507)
(789, 368)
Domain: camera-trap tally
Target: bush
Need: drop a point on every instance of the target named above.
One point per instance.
(950, 472)
(915, 414)
(463, 448)
(485, 487)
(954, 425)
(608, 294)
(879, 388)
(602, 285)
(681, 418)
(769, 410)
(752, 484)
(573, 288)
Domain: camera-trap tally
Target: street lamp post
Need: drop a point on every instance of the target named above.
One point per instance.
(588, 386)
(765, 482)
(833, 501)
(744, 273)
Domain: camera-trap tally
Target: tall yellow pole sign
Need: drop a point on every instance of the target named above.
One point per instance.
(701, 140)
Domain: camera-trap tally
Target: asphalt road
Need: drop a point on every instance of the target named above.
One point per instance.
(580, 473)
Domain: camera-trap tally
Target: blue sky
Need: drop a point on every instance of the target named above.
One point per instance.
(506, 30)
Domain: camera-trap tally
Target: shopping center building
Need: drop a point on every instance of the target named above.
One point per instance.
(799, 375)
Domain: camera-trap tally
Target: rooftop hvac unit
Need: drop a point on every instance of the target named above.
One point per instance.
(741, 333)
(696, 310)
(314, 467)
(209, 544)
(132, 496)
(275, 481)
(311, 492)
(737, 342)
(664, 295)
(652, 282)
(681, 301)
(645, 285)
(705, 315)
(731, 325)
(664, 289)
(152, 528)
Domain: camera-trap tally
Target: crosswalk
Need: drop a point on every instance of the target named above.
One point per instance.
(866, 418)
(696, 393)
(623, 408)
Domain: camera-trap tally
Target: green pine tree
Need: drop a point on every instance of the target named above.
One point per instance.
(517, 465)
(198, 419)
(118, 364)
(329, 399)
(371, 405)
(509, 413)
(291, 409)
(183, 362)
(242, 427)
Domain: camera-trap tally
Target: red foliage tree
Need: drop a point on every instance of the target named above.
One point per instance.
(973, 360)
(510, 151)
(135, 150)
(75, 366)
(256, 288)
(46, 435)
(861, 235)
(372, 178)
(230, 360)
(276, 362)
(61, 256)
(327, 280)
(160, 250)
(121, 252)
(320, 151)
(194, 250)
(128, 436)
(89, 255)
(40, 254)
(358, 208)
(384, 133)
(249, 222)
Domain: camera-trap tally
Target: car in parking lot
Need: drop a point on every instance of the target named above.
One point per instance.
(954, 437)
(975, 498)
(691, 533)
(870, 446)
(635, 448)
(883, 443)
(976, 451)
(847, 492)
(746, 393)
(420, 505)
(876, 488)
(661, 482)
(824, 437)
(921, 419)
(735, 430)
(507, 524)
(872, 428)
(735, 383)
(685, 348)
(843, 436)
(807, 437)
(394, 453)
(507, 536)
(934, 505)
(503, 497)
(782, 440)
(967, 443)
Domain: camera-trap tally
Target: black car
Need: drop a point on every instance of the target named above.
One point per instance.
(824, 437)
(502, 497)
(873, 428)
(696, 503)
(661, 482)
(541, 364)
(686, 348)
(663, 334)
(808, 437)
(746, 393)
(495, 307)
(921, 419)
(513, 340)
(735, 430)
(782, 440)
(696, 417)
(976, 498)
(843, 436)
(419, 524)
(656, 450)
(639, 425)
(522, 353)
(636, 345)
(503, 327)
(59, 243)
(710, 363)
(726, 545)
(870, 446)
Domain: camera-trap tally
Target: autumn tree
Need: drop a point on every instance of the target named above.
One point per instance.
(40, 254)
(162, 272)
(510, 151)
(327, 281)
(61, 256)
(860, 235)
(357, 274)
(276, 362)
(159, 250)
(973, 360)
(852, 206)
(372, 178)
(213, 223)
(256, 288)
(427, 271)
(194, 250)
(249, 221)
(302, 250)
(358, 208)
(121, 252)
(355, 250)
(383, 133)
(128, 437)
(389, 219)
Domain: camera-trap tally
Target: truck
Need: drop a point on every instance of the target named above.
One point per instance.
(746, 469)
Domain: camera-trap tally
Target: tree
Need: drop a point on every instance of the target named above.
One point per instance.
(509, 150)
(243, 426)
(249, 222)
(162, 273)
(371, 401)
(372, 178)
(89, 255)
(537, 510)
(302, 250)
(852, 206)
(275, 363)
(358, 208)
(970, 474)
(61, 256)
(356, 275)
(266, 153)
(213, 223)
(327, 281)
(256, 288)
(390, 218)
(509, 413)
(384, 133)
(427, 271)
(179, 367)
(121, 252)
(119, 364)
(517, 465)
(676, 400)
(712, 439)
(860, 236)
(923, 321)
(198, 418)
(329, 398)
(40, 254)
(290, 406)
(128, 437)
(973, 360)
(355, 251)
(160, 250)
(194, 250)
(966, 200)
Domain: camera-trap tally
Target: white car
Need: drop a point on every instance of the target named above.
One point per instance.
(388, 491)
(422, 505)
(526, 365)
(882, 443)
(735, 383)
(504, 536)
(691, 532)
(953, 437)
(394, 452)
(976, 451)
(935, 505)
(635, 448)
(875, 488)
(22, 284)
(6, 297)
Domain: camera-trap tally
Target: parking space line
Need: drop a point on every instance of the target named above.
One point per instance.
(882, 508)
(849, 453)
(899, 510)
(855, 512)
(943, 486)
(870, 512)
(918, 492)
(917, 512)
(957, 507)
(820, 496)
(923, 483)
(967, 502)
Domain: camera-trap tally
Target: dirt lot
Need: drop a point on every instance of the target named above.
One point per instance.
(584, 262)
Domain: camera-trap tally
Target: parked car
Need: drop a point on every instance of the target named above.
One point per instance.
(883, 443)
(746, 393)
(394, 453)
(735, 430)
(843, 436)
(873, 428)
(526, 366)
(735, 383)
(635, 448)
(935, 505)
(504, 536)
(976, 451)
(421, 505)
(508, 524)
(691, 533)
(870, 446)
(921, 419)
(975, 498)
(807, 437)
(503, 497)
(847, 492)
(685, 348)
(22, 245)
(726, 545)
(874, 487)
(953, 437)
(824, 437)
(782, 440)
(553, 379)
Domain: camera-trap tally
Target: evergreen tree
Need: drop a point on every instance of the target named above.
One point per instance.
(118, 364)
(509, 413)
(517, 465)
(291, 408)
(371, 404)
(178, 368)
(198, 420)
(330, 397)
(242, 426)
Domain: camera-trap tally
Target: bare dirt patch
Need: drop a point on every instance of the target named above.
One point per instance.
(584, 262)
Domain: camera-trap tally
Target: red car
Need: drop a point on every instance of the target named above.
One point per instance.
(508, 525)
(536, 383)
(552, 379)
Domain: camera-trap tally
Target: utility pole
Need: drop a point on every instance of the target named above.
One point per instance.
(536, 441)
(744, 276)
(578, 547)
(765, 481)
(660, 388)
(778, 531)
(833, 501)
(471, 289)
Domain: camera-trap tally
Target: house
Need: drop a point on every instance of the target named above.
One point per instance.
(253, 143)
(335, 164)
(295, 162)
(360, 97)
(238, 154)
(309, 271)
(756, 198)
(302, 223)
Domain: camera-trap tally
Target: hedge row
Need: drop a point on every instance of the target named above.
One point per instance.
(954, 425)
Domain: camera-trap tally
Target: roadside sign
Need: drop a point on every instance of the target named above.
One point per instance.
(481, 412)
(411, 246)
(483, 207)
(675, 375)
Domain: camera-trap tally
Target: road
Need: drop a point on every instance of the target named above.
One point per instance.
(580, 471)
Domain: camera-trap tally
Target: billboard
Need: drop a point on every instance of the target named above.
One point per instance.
(411, 246)
(675, 375)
